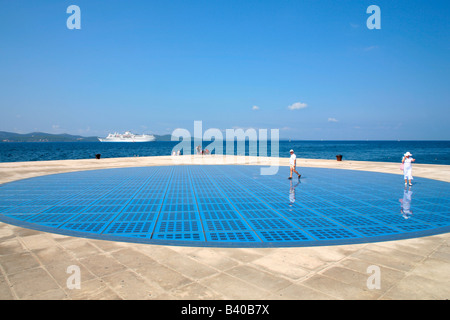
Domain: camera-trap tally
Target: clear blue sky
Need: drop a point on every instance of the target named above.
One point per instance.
(153, 66)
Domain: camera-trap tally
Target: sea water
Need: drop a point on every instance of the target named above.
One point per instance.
(429, 152)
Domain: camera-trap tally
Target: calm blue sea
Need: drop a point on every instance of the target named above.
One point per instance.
(430, 152)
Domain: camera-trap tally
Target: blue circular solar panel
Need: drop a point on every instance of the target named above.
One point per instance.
(228, 206)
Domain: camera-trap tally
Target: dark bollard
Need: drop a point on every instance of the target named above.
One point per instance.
(98, 155)
(339, 157)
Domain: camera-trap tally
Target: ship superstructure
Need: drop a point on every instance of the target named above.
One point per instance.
(127, 137)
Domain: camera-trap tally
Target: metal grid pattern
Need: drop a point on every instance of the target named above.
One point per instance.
(230, 206)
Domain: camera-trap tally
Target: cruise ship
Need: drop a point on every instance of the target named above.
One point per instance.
(127, 137)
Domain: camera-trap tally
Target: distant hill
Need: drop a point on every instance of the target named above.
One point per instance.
(42, 137)
(63, 137)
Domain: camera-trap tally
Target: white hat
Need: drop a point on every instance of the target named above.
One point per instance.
(408, 154)
(291, 150)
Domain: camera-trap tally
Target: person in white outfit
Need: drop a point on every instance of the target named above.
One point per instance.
(293, 164)
(407, 167)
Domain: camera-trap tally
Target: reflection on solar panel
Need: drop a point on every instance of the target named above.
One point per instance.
(231, 206)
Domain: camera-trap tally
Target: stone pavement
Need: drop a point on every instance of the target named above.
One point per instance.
(34, 264)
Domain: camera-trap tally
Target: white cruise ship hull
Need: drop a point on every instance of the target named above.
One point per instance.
(128, 137)
(126, 140)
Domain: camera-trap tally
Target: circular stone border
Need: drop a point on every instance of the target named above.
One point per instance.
(228, 206)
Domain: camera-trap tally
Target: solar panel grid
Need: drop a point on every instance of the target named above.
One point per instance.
(230, 204)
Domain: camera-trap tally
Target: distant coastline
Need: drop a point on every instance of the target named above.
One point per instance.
(6, 137)
(63, 137)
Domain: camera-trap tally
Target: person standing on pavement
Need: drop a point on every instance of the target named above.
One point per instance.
(407, 167)
(293, 164)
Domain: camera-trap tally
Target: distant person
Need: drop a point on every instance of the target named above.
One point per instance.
(407, 167)
(293, 164)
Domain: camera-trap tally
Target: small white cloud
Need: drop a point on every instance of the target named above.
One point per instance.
(332, 120)
(84, 131)
(354, 25)
(255, 108)
(55, 126)
(370, 48)
(297, 105)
